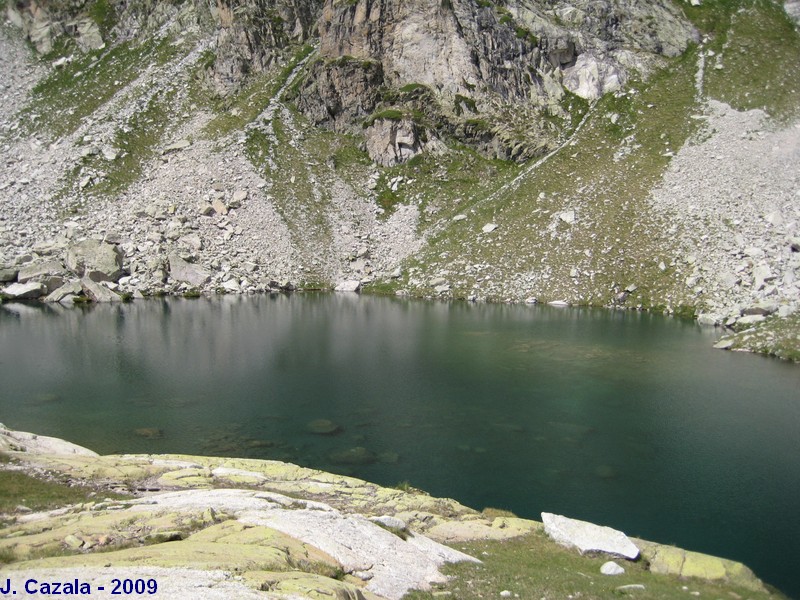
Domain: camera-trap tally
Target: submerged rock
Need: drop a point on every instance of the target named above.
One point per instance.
(353, 456)
(151, 433)
(323, 427)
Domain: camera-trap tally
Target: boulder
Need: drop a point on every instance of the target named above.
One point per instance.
(89, 36)
(192, 241)
(761, 274)
(669, 560)
(729, 280)
(219, 206)
(71, 288)
(611, 568)
(180, 270)
(751, 320)
(391, 142)
(232, 286)
(708, 319)
(568, 217)
(762, 308)
(39, 270)
(489, 227)
(390, 522)
(593, 75)
(93, 255)
(25, 291)
(588, 537)
(7, 274)
(205, 209)
(97, 292)
(239, 196)
(351, 285)
(177, 146)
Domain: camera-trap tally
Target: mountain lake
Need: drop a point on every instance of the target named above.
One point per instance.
(625, 419)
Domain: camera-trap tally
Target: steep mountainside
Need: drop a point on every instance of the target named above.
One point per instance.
(639, 154)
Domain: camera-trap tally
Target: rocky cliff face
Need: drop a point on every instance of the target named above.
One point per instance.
(499, 76)
(249, 35)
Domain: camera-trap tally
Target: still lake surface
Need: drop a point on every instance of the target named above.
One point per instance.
(624, 419)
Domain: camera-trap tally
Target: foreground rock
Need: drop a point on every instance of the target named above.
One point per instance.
(261, 529)
(588, 537)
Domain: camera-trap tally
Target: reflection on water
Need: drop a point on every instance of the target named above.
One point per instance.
(625, 419)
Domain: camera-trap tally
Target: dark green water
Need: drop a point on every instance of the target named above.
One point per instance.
(623, 419)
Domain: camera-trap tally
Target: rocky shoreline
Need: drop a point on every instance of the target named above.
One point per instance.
(197, 213)
(205, 527)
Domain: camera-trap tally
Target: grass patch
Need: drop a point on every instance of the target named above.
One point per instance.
(235, 112)
(103, 15)
(758, 46)
(137, 143)
(773, 337)
(18, 488)
(315, 567)
(7, 556)
(60, 102)
(533, 566)
(494, 513)
(462, 102)
(401, 533)
(604, 175)
(389, 114)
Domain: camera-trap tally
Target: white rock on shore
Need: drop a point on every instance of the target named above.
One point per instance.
(588, 537)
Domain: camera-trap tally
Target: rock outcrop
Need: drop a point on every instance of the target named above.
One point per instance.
(43, 22)
(243, 527)
(491, 69)
(588, 537)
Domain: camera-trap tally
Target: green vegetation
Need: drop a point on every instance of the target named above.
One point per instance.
(773, 337)
(101, 12)
(61, 101)
(493, 513)
(401, 533)
(441, 185)
(605, 174)
(466, 102)
(234, 112)
(314, 567)
(525, 34)
(758, 46)
(389, 114)
(137, 142)
(533, 566)
(18, 488)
